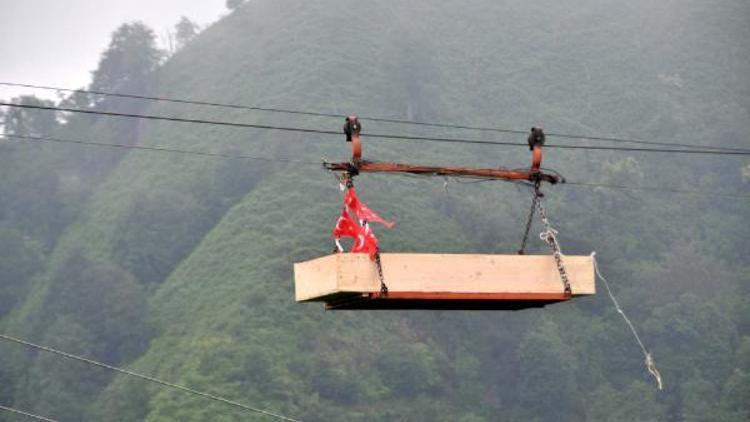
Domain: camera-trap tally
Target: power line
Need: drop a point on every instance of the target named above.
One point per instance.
(184, 101)
(660, 189)
(670, 150)
(370, 118)
(287, 160)
(642, 142)
(31, 415)
(633, 188)
(159, 149)
(380, 136)
(147, 378)
(171, 119)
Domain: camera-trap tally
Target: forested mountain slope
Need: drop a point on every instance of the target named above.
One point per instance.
(181, 266)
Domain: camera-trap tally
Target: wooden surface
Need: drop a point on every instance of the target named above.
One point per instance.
(324, 278)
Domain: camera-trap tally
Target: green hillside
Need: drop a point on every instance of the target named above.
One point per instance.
(181, 266)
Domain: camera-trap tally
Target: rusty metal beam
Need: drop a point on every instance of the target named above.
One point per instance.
(352, 129)
(484, 173)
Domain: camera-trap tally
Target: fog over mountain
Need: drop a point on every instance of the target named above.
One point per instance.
(179, 265)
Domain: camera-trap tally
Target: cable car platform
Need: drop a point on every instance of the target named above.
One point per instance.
(441, 281)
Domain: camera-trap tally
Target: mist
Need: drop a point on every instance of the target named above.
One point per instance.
(151, 213)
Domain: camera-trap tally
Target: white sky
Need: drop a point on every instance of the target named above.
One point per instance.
(58, 42)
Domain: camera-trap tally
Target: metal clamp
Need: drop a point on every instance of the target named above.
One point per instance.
(352, 128)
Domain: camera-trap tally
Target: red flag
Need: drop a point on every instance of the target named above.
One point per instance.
(346, 226)
(366, 242)
(362, 211)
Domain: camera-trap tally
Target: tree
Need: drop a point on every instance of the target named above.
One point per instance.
(20, 257)
(234, 4)
(157, 232)
(636, 402)
(548, 365)
(28, 122)
(410, 370)
(106, 301)
(55, 386)
(699, 326)
(125, 66)
(185, 30)
(30, 196)
(128, 61)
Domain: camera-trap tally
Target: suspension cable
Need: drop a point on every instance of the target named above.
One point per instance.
(659, 189)
(374, 119)
(711, 151)
(147, 378)
(30, 415)
(311, 163)
(158, 149)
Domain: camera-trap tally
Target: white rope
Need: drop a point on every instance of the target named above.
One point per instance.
(650, 365)
(146, 377)
(31, 415)
(549, 235)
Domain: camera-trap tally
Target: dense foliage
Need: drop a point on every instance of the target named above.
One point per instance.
(181, 266)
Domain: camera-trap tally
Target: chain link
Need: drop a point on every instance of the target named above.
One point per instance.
(379, 267)
(549, 237)
(530, 220)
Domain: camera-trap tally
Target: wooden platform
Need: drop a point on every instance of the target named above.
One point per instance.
(441, 281)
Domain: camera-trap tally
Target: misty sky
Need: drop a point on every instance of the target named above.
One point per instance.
(58, 42)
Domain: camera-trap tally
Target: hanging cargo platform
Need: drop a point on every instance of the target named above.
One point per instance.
(441, 281)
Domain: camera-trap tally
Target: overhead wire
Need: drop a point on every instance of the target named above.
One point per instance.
(370, 118)
(146, 378)
(623, 187)
(27, 414)
(370, 135)
(642, 142)
(171, 119)
(315, 163)
(159, 149)
(178, 101)
(659, 189)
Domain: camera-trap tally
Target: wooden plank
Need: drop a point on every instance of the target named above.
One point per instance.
(332, 274)
(319, 279)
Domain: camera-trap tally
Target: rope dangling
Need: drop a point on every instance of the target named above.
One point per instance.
(649, 360)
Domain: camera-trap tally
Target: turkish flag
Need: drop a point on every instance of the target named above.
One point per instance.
(346, 226)
(366, 242)
(362, 211)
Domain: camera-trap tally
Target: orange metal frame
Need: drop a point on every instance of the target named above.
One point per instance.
(471, 296)
(357, 165)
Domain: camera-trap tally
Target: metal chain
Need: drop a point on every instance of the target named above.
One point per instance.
(549, 237)
(530, 220)
(379, 267)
